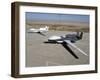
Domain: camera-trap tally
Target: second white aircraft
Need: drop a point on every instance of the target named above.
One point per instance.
(40, 30)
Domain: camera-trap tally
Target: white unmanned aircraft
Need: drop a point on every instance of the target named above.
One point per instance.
(40, 30)
(68, 40)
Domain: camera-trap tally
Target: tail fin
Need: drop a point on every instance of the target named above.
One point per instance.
(79, 35)
(47, 28)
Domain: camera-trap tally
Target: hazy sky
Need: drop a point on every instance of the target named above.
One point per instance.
(30, 16)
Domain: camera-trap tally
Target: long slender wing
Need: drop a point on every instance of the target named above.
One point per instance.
(71, 44)
(33, 31)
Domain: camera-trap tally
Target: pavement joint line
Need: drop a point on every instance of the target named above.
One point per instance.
(49, 62)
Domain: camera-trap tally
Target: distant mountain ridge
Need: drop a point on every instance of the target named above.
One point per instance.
(64, 23)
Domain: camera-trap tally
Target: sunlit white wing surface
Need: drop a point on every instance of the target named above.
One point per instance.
(33, 30)
(71, 44)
